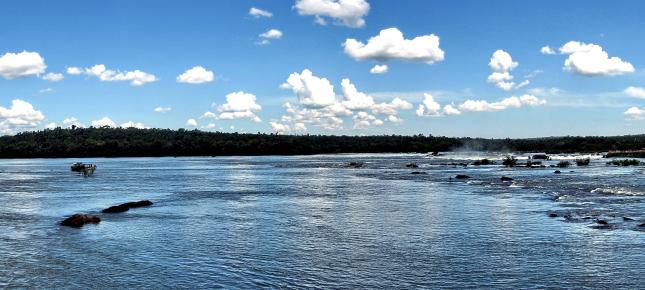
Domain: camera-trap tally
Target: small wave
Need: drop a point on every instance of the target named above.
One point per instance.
(618, 191)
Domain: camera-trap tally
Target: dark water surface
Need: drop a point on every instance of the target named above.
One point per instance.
(310, 222)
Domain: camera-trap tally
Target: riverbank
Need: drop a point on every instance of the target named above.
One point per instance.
(131, 142)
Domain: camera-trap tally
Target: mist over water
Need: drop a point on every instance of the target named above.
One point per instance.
(312, 222)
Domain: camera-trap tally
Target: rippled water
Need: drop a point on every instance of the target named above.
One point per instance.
(311, 222)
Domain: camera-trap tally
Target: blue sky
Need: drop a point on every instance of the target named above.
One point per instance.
(593, 86)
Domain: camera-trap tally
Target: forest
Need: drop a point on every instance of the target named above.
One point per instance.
(131, 142)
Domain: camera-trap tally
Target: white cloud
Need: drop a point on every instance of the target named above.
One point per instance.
(257, 12)
(345, 12)
(53, 77)
(636, 92)
(392, 107)
(279, 128)
(391, 45)
(191, 123)
(51, 125)
(635, 113)
(22, 64)
(379, 69)
(239, 105)
(196, 75)
(46, 90)
(74, 71)
(450, 110)
(210, 126)
(271, 34)
(429, 107)
(547, 50)
(544, 92)
(363, 120)
(136, 77)
(131, 124)
(510, 102)
(20, 115)
(72, 121)
(501, 63)
(163, 109)
(105, 121)
(355, 100)
(591, 60)
(311, 90)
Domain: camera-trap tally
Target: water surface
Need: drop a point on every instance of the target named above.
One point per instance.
(311, 222)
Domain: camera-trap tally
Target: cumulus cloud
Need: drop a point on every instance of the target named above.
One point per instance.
(363, 120)
(391, 45)
(319, 105)
(355, 100)
(162, 109)
(22, 64)
(510, 102)
(103, 122)
(53, 77)
(450, 110)
(239, 105)
(131, 124)
(501, 63)
(636, 92)
(20, 115)
(312, 91)
(51, 125)
(379, 69)
(72, 121)
(349, 13)
(429, 107)
(279, 128)
(74, 70)
(547, 50)
(258, 13)
(191, 123)
(100, 71)
(271, 34)
(196, 75)
(635, 113)
(591, 60)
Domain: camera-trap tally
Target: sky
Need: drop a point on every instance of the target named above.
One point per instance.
(492, 69)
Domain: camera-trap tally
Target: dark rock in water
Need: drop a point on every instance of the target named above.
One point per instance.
(418, 172)
(126, 206)
(642, 225)
(627, 218)
(553, 215)
(462, 176)
(602, 222)
(78, 220)
(412, 165)
(540, 156)
(506, 178)
(355, 164)
(557, 172)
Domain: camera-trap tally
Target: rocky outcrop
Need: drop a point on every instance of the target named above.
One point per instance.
(127, 206)
(79, 220)
(461, 176)
(506, 178)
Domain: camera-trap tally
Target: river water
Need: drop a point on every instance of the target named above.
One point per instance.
(314, 222)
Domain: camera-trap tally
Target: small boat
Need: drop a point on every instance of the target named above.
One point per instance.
(82, 167)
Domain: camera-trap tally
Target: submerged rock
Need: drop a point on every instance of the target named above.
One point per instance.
(557, 172)
(78, 220)
(412, 165)
(627, 218)
(506, 178)
(602, 222)
(418, 172)
(553, 215)
(126, 206)
(461, 176)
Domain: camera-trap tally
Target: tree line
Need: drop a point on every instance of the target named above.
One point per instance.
(132, 142)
